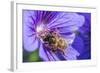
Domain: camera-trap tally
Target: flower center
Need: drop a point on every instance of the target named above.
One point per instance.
(41, 31)
(40, 28)
(51, 39)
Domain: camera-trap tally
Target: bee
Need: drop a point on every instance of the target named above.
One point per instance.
(55, 42)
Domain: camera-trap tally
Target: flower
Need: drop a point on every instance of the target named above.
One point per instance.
(52, 33)
(84, 38)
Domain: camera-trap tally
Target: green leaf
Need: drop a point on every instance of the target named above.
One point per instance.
(34, 56)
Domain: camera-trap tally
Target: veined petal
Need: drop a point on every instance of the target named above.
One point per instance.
(69, 21)
(43, 53)
(29, 20)
(69, 38)
(53, 56)
(47, 55)
(45, 16)
(71, 53)
(31, 43)
(69, 29)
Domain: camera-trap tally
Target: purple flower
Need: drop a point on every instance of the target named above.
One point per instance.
(52, 33)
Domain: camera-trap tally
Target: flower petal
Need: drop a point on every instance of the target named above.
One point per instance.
(71, 53)
(29, 20)
(47, 55)
(53, 56)
(69, 38)
(68, 22)
(30, 43)
(43, 53)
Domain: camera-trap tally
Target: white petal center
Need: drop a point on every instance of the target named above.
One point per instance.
(40, 28)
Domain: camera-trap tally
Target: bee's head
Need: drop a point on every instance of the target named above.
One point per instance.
(51, 39)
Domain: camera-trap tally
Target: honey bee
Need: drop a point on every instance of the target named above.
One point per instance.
(55, 42)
